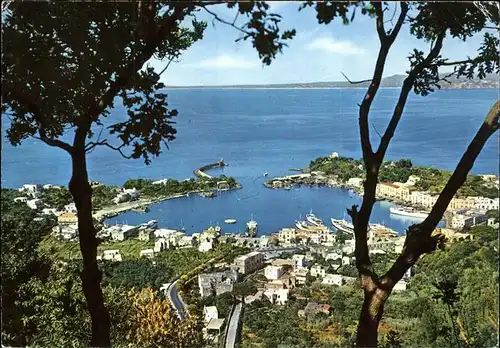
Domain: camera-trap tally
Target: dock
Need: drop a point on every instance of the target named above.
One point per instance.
(200, 172)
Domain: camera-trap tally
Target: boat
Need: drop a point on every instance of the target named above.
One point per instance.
(343, 225)
(230, 221)
(313, 219)
(141, 209)
(265, 174)
(408, 211)
(252, 227)
(150, 224)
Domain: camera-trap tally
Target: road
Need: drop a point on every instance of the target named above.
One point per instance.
(176, 300)
(233, 326)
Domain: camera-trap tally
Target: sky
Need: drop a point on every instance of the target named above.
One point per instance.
(318, 52)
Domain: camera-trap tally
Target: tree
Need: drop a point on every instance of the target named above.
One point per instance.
(431, 22)
(66, 64)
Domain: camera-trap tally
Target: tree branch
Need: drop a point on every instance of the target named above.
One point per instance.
(39, 118)
(419, 238)
(354, 82)
(216, 16)
(403, 96)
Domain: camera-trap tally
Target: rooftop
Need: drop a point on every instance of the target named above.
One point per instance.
(215, 324)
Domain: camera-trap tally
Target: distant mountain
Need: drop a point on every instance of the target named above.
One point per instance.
(491, 81)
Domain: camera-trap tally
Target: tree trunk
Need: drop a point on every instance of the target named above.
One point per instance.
(371, 313)
(91, 275)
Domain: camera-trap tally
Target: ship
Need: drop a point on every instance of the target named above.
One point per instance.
(343, 225)
(252, 227)
(408, 211)
(230, 221)
(313, 219)
(150, 224)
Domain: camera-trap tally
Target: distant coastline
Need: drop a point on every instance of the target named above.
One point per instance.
(396, 81)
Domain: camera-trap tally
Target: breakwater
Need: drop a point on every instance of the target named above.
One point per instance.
(200, 172)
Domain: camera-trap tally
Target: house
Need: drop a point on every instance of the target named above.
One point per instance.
(145, 234)
(483, 203)
(287, 235)
(300, 261)
(161, 244)
(279, 296)
(149, 253)
(31, 188)
(164, 232)
(66, 231)
(467, 218)
(285, 263)
(332, 279)
(333, 256)
(249, 262)
(286, 281)
(50, 186)
(223, 185)
(219, 282)
(123, 232)
(210, 312)
(264, 241)
(399, 286)
(313, 308)
(301, 275)
(355, 182)
(318, 271)
(35, 204)
(273, 272)
(376, 251)
(205, 246)
(21, 199)
(214, 326)
(49, 211)
(112, 255)
(333, 155)
(346, 260)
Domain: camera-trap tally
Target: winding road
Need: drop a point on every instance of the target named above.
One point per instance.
(176, 300)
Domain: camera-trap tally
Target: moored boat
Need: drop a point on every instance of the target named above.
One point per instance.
(230, 221)
(343, 225)
(313, 219)
(408, 211)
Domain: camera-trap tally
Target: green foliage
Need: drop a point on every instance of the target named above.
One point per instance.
(244, 289)
(57, 197)
(102, 196)
(484, 234)
(137, 274)
(343, 167)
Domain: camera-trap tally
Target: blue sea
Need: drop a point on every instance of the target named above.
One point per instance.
(258, 131)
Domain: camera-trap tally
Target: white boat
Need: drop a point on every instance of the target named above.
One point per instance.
(150, 224)
(313, 219)
(408, 211)
(343, 225)
(252, 227)
(230, 221)
(265, 174)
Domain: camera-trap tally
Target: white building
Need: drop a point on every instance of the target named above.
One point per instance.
(210, 312)
(111, 255)
(300, 261)
(249, 262)
(467, 218)
(31, 188)
(49, 211)
(333, 256)
(376, 251)
(149, 253)
(332, 279)
(50, 186)
(273, 272)
(346, 260)
(163, 232)
(287, 235)
(355, 182)
(483, 203)
(70, 208)
(161, 244)
(277, 296)
(21, 199)
(333, 155)
(400, 286)
(318, 271)
(35, 204)
(205, 246)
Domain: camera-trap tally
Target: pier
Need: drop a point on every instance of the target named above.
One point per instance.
(200, 172)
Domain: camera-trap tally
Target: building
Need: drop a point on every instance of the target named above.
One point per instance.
(279, 296)
(205, 246)
(300, 261)
(145, 234)
(301, 275)
(346, 260)
(31, 188)
(286, 281)
(483, 203)
(287, 235)
(149, 253)
(333, 155)
(394, 190)
(313, 308)
(318, 271)
(163, 232)
(218, 282)
(161, 244)
(332, 279)
(250, 262)
(399, 286)
(333, 256)
(467, 218)
(210, 312)
(21, 199)
(355, 182)
(35, 204)
(112, 255)
(273, 272)
(49, 211)
(423, 199)
(122, 232)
